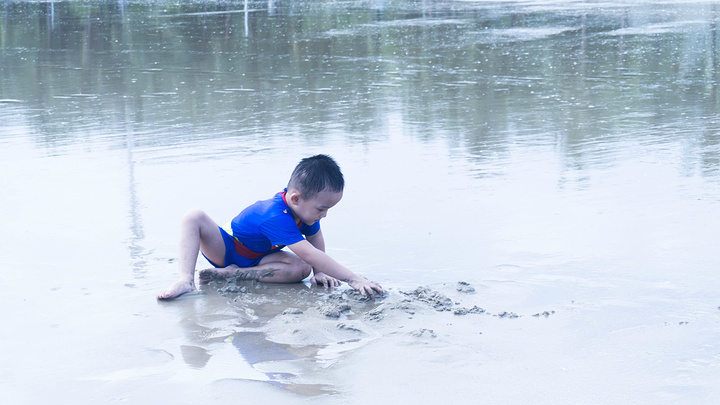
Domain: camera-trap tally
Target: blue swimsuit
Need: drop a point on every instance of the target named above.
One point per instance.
(261, 229)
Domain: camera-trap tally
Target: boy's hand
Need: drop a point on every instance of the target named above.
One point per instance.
(324, 280)
(366, 287)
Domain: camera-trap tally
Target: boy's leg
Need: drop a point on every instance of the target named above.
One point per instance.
(278, 267)
(197, 232)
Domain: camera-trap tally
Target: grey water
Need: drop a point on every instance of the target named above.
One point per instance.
(565, 152)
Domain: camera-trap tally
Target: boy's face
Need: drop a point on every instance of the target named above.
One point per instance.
(314, 209)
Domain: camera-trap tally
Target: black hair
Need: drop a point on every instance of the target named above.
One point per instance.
(315, 174)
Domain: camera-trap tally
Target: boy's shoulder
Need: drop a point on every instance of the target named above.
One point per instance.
(276, 203)
(271, 216)
(266, 209)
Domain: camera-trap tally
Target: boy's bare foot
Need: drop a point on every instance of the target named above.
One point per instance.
(207, 275)
(177, 289)
(211, 274)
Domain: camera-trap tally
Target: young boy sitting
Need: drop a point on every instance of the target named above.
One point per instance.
(250, 247)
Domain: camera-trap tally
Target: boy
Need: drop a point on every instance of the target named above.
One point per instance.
(250, 246)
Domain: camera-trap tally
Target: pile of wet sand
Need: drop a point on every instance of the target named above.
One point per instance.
(301, 315)
(294, 334)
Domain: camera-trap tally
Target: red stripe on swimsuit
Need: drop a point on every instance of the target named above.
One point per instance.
(251, 254)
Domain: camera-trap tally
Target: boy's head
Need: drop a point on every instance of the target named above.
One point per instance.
(315, 186)
(315, 174)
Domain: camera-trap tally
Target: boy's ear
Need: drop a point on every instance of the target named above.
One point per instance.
(294, 197)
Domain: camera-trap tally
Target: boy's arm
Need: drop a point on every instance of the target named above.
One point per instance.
(319, 277)
(325, 264)
(317, 240)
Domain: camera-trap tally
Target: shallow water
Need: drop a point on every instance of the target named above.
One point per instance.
(563, 158)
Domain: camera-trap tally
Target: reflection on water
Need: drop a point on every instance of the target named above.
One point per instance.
(483, 76)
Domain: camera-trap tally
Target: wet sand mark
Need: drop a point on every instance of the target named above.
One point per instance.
(333, 309)
(375, 314)
(545, 314)
(506, 314)
(378, 313)
(292, 311)
(465, 287)
(423, 333)
(437, 300)
(464, 311)
(343, 326)
(233, 289)
(335, 304)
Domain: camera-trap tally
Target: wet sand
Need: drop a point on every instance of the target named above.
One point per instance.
(84, 326)
(449, 341)
(455, 340)
(519, 335)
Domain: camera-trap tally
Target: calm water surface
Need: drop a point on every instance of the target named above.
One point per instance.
(565, 155)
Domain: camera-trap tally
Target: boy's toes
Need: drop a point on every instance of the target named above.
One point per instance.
(165, 295)
(176, 290)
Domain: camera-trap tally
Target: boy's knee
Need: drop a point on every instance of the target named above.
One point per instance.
(306, 269)
(196, 217)
(302, 269)
(193, 215)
